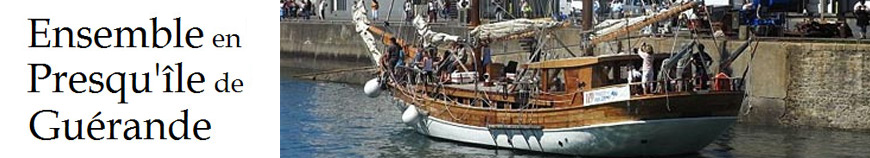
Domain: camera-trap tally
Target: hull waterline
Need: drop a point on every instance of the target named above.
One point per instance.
(621, 139)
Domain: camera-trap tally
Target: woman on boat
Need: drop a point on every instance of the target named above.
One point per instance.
(427, 68)
(645, 53)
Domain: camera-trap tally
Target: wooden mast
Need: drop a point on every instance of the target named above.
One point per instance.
(646, 22)
(587, 25)
(474, 21)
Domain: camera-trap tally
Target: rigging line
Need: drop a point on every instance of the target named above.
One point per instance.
(667, 96)
(628, 33)
(676, 34)
(746, 74)
(522, 74)
(710, 22)
(390, 12)
(628, 102)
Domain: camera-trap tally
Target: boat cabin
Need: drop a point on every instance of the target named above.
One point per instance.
(585, 73)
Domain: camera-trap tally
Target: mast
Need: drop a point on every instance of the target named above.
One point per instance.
(474, 15)
(587, 25)
(674, 11)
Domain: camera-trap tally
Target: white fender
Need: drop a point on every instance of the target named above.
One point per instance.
(372, 88)
(410, 115)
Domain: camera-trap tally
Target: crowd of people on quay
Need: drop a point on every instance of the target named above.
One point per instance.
(303, 9)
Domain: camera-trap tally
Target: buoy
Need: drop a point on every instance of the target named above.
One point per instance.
(410, 115)
(372, 88)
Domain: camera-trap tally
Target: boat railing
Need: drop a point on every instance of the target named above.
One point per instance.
(685, 85)
(720, 84)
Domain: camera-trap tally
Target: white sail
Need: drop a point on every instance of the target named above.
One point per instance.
(494, 31)
(431, 37)
(361, 23)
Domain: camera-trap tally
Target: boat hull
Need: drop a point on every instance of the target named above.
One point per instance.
(621, 139)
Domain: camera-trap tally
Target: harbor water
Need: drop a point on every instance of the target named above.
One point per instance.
(321, 119)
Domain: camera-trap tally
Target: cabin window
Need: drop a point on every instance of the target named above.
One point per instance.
(556, 80)
(611, 72)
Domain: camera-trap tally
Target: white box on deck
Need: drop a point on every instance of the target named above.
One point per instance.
(463, 77)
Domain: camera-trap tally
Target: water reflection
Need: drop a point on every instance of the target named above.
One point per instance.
(336, 120)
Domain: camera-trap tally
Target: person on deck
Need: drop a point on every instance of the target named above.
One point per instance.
(447, 66)
(401, 61)
(701, 60)
(427, 67)
(392, 56)
(417, 63)
(646, 53)
(683, 74)
(486, 59)
(634, 76)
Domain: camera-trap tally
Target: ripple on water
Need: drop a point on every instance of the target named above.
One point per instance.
(337, 120)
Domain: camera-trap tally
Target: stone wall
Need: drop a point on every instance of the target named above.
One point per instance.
(830, 87)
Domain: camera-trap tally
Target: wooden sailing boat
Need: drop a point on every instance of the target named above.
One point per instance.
(589, 110)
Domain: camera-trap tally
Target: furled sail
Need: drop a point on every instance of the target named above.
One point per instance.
(506, 29)
(361, 23)
(430, 37)
(612, 29)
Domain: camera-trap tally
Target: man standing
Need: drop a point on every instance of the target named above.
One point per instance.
(291, 7)
(433, 11)
(445, 8)
(375, 7)
(616, 9)
(409, 11)
(391, 58)
(307, 9)
(701, 61)
(861, 17)
(499, 11)
(322, 9)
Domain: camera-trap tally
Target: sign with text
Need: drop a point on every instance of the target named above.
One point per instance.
(157, 78)
(606, 95)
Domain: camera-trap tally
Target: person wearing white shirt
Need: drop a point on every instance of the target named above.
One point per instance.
(433, 11)
(409, 10)
(616, 9)
(321, 9)
(646, 53)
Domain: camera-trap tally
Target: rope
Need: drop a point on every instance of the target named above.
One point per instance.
(745, 76)
(712, 32)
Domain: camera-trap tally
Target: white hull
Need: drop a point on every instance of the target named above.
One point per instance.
(631, 138)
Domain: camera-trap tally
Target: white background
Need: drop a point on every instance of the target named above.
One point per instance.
(243, 124)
